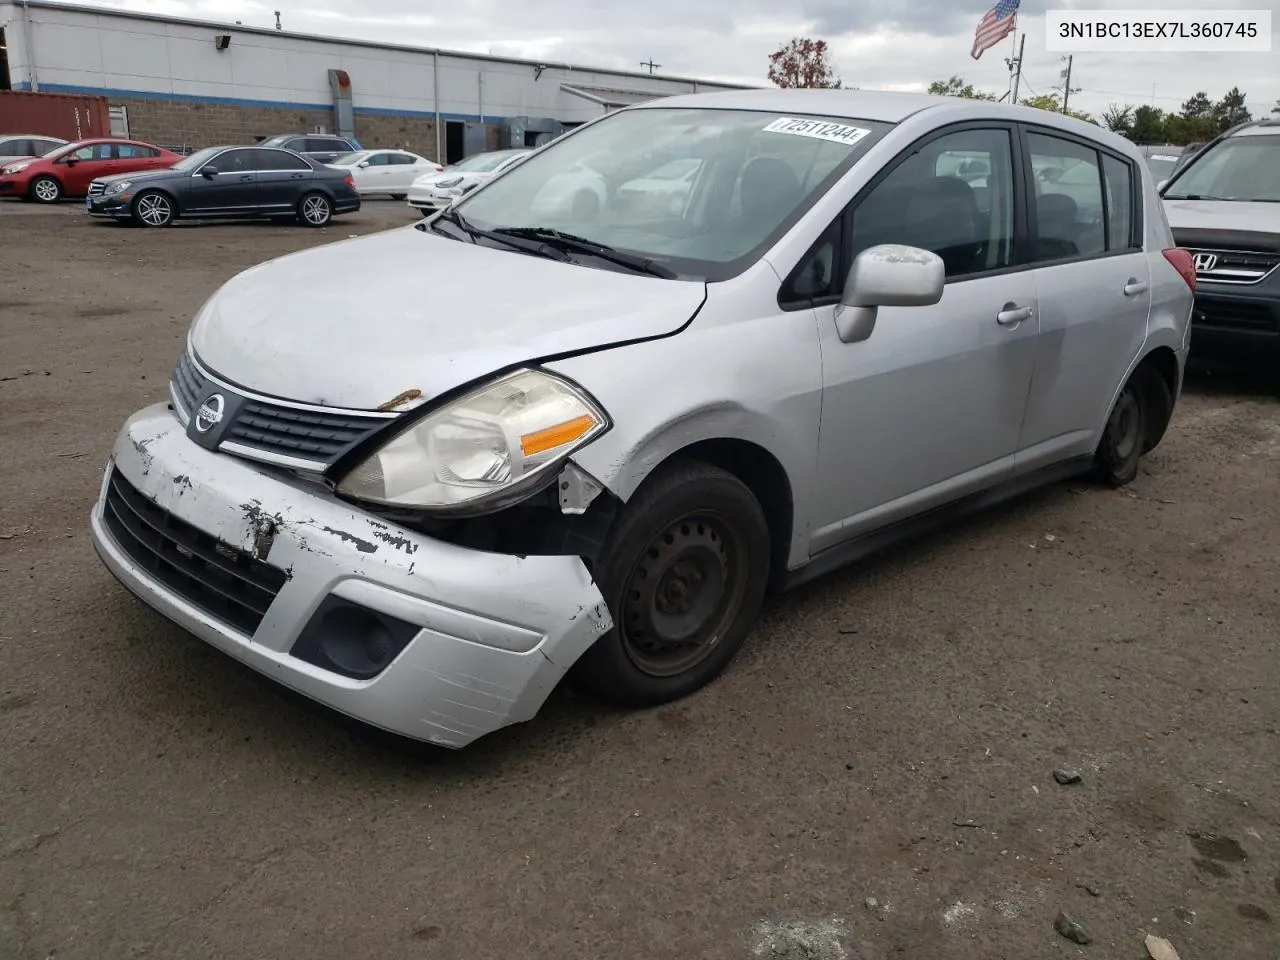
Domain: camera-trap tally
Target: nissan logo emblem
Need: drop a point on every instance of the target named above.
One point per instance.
(1204, 262)
(210, 413)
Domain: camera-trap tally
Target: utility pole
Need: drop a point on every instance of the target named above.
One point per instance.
(1015, 67)
(1067, 90)
(650, 64)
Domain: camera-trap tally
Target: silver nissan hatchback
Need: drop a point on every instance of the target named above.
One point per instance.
(565, 429)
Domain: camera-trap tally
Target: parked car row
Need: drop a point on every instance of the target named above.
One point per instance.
(311, 178)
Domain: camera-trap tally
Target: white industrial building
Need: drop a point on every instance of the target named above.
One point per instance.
(192, 83)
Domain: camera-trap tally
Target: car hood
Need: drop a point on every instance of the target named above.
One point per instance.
(356, 323)
(1223, 215)
(434, 179)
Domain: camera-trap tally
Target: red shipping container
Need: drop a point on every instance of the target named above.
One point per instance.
(71, 116)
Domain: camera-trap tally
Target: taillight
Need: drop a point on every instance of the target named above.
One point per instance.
(349, 181)
(1184, 263)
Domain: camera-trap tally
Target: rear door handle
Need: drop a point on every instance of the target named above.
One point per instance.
(1012, 314)
(247, 178)
(1133, 287)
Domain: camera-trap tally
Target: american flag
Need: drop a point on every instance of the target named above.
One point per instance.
(995, 26)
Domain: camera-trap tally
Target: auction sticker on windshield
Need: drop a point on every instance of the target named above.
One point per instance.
(818, 130)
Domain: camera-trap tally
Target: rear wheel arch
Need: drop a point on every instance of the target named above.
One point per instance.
(1164, 363)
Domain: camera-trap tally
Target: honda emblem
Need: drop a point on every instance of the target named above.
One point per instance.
(1204, 262)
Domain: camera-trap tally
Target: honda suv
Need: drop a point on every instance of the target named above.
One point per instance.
(1224, 206)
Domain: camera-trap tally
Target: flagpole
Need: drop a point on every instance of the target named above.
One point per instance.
(1017, 77)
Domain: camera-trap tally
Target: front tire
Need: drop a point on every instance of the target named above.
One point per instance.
(151, 208)
(684, 574)
(315, 210)
(1142, 407)
(45, 190)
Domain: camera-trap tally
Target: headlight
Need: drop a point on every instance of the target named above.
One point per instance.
(449, 182)
(483, 450)
(16, 168)
(114, 188)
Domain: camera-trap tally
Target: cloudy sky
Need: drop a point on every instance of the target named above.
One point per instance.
(887, 44)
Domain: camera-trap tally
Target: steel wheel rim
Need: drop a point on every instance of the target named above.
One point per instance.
(1126, 426)
(46, 190)
(682, 594)
(154, 210)
(315, 209)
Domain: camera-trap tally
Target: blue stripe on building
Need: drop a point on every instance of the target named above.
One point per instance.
(239, 102)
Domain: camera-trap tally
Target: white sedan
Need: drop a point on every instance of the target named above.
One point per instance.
(435, 191)
(385, 171)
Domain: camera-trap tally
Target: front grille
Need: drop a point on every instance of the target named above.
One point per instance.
(313, 434)
(188, 385)
(97, 189)
(1212, 313)
(310, 434)
(1233, 266)
(223, 581)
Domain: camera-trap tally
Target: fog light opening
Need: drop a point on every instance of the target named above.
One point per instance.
(346, 638)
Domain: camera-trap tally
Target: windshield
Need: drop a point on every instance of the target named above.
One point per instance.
(482, 162)
(349, 159)
(55, 150)
(1240, 168)
(195, 161)
(756, 172)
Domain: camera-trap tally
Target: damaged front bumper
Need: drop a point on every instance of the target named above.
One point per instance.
(416, 636)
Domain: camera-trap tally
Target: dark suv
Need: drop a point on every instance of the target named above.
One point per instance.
(320, 147)
(1224, 206)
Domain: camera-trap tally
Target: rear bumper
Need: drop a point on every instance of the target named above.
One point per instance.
(486, 637)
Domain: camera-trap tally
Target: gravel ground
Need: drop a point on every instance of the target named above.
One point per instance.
(874, 778)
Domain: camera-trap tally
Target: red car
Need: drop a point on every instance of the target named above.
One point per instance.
(68, 171)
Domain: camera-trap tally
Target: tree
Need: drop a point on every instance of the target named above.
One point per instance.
(1199, 107)
(1230, 110)
(956, 87)
(1148, 125)
(802, 62)
(1118, 119)
(1276, 108)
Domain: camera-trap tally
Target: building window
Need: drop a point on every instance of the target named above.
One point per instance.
(119, 121)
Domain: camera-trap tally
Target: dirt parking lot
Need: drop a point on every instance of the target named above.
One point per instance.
(873, 779)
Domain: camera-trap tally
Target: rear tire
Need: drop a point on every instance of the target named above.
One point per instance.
(315, 210)
(151, 208)
(1142, 409)
(683, 574)
(45, 190)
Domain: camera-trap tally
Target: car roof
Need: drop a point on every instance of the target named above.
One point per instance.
(1259, 128)
(31, 136)
(883, 106)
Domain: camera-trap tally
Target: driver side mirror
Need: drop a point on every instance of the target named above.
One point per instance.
(1161, 185)
(887, 275)
(71, 161)
(209, 171)
(362, 164)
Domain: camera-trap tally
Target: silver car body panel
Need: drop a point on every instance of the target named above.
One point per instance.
(497, 632)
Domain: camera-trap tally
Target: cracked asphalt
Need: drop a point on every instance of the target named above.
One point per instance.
(872, 779)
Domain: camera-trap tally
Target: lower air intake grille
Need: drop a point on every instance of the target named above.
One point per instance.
(221, 580)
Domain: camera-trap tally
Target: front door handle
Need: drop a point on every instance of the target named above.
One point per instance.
(1012, 314)
(246, 179)
(1133, 287)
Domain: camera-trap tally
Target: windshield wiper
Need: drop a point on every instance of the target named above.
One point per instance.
(1199, 196)
(515, 241)
(569, 242)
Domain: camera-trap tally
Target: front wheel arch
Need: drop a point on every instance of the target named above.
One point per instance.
(173, 202)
